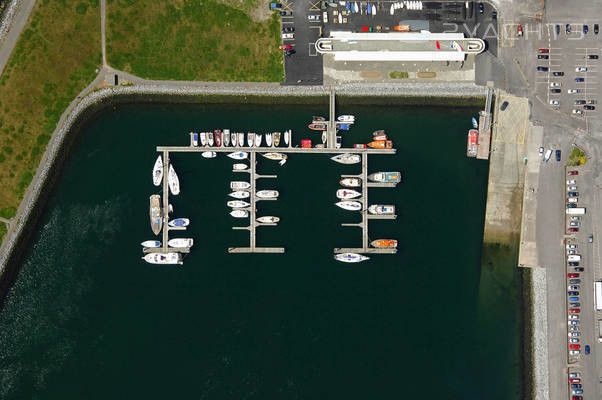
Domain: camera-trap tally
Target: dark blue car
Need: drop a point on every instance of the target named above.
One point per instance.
(579, 80)
(573, 293)
(557, 155)
(573, 298)
(587, 349)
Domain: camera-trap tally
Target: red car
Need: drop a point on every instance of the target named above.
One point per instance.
(575, 380)
(577, 397)
(573, 230)
(285, 47)
(574, 311)
(573, 172)
(544, 50)
(573, 275)
(574, 347)
(519, 30)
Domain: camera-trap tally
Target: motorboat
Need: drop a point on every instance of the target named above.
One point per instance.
(241, 139)
(345, 194)
(268, 220)
(275, 156)
(217, 135)
(265, 194)
(180, 242)
(240, 194)
(356, 8)
(203, 139)
(339, 142)
(381, 144)
(226, 137)
(151, 243)
(380, 137)
(210, 139)
(239, 185)
(277, 139)
(350, 205)
(318, 119)
(340, 18)
(250, 139)
(475, 124)
(324, 137)
(351, 182)
(239, 213)
(258, 137)
(387, 177)
(384, 243)
(268, 139)
(158, 171)
(392, 9)
(156, 216)
(179, 222)
(287, 137)
(194, 138)
(346, 118)
(373, 10)
(379, 209)
(240, 167)
(347, 158)
(163, 258)
(317, 127)
(173, 181)
(239, 155)
(351, 257)
(238, 204)
(368, 9)
(234, 139)
(209, 154)
(378, 132)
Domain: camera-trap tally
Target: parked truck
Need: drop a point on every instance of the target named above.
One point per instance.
(598, 293)
(575, 211)
(575, 257)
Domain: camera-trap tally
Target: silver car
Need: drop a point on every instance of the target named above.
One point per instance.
(573, 340)
(573, 316)
(574, 323)
(574, 334)
(574, 352)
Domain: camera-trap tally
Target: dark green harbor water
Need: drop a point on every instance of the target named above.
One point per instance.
(88, 319)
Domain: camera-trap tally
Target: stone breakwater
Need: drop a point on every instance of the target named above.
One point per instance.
(155, 91)
(539, 340)
(7, 17)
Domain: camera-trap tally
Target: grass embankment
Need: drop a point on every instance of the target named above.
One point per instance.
(577, 157)
(193, 40)
(55, 58)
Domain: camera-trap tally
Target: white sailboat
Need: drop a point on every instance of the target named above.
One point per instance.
(226, 137)
(180, 242)
(163, 258)
(268, 139)
(239, 185)
(275, 156)
(240, 194)
(345, 194)
(268, 220)
(239, 167)
(234, 139)
(151, 243)
(209, 154)
(158, 171)
(239, 155)
(265, 194)
(347, 158)
(238, 204)
(250, 139)
(258, 137)
(239, 213)
(203, 139)
(356, 7)
(350, 205)
(351, 182)
(174, 182)
(241, 139)
(350, 257)
(287, 135)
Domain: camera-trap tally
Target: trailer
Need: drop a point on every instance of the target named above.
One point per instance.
(598, 290)
(575, 211)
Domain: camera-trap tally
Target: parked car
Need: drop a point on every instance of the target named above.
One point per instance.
(274, 6)
(285, 13)
(592, 57)
(579, 269)
(574, 380)
(573, 263)
(541, 151)
(519, 30)
(554, 102)
(542, 69)
(585, 29)
(555, 84)
(579, 102)
(579, 80)
(574, 311)
(313, 17)
(543, 57)
(570, 182)
(558, 73)
(572, 293)
(589, 108)
(290, 52)
(573, 194)
(574, 281)
(587, 349)
(574, 374)
(573, 317)
(574, 334)
(573, 322)
(574, 346)
(572, 200)
(578, 112)
(571, 275)
(573, 187)
(555, 91)
(574, 287)
(590, 238)
(504, 105)
(567, 28)
(285, 47)
(481, 8)
(288, 36)
(571, 205)
(574, 352)
(592, 102)
(287, 29)
(573, 91)
(573, 172)
(576, 385)
(558, 153)
(595, 29)
(557, 29)
(544, 51)
(581, 69)
(577, 391)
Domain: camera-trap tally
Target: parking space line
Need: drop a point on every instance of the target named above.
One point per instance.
(312, 48)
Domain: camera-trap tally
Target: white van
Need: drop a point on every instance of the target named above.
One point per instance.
(574, 257)
(547, 156)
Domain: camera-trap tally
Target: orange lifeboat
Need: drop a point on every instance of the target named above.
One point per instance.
(381, 144)
(384, 243)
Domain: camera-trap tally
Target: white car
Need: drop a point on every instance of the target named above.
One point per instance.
(571, 246)
(573, 316)
(571, 182)
(541, 151)
(580, 69)
(555, 84)
(288, 36)
(573, 91)
(574, 352)
(574, 374)
(572, 188)
(578, 112)
(313, 17)
(554, 102)
(574, 287)
(325, 17)
(573, 199)
(575, 218)
(574, 334)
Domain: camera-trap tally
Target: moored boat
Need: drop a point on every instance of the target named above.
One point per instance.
(350, 257)
(180, 242)
(163, 258)
(209, 154)
(380, 209)
(226, 137)
(151, 243)
(239, 155)
(268, 220)
(268, 139)
(318, 119)
(239, 213)
(239, 167)
(203, 138)
(472, 143)
(346, 118)
(475, 124)
(258, 137)
(380, 137)
(349, 205)
(194, 138)
(179, 222)
(265, 194)
(378, 132)
(234, 139)
(173, 181)
(217, 135)
(347, 158)
(384, 243)
(238, 204)
(158, 171)
(277, 139)
(275, 156)
(240, 194)
(250, 139)
(387, 177)
(238, 185)
(381, 144)
(317, 127)
(345, 194)
(351, 182)
(241, 139)
(287, 136)
(210, 139)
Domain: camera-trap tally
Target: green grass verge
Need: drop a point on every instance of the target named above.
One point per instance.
(193, 40)
(577, 157)
(398, 75)
(3, 231)
(55, 58)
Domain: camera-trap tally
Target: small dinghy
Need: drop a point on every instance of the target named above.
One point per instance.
(151, 243)
(239, 213)
(240, 167)
(158, 171)
(209, 154)
(346, 118)
(266, 194)
(350, 205)
(179, 222)
(239, 155)
(351, 182)
(240, 194)
(347, 158)
(345, 194)
(174, 182)
(239, 185)
(180, 242)
(268, 220)
(238, 204)
(350, 257)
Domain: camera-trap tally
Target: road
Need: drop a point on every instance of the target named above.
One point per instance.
(14, 33)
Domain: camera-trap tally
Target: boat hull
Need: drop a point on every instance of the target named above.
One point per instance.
(158, 171)
(385, 177)
(351, 182)
(384, 243)
(350, 205)
(347, 158)
(163, 258)
(173, 181)
(239, 213)
(180, 243)
(381, 144)
(350, 257)
(379, 209)
(179, 222)
(156, 217)
(346, 194)
(238, 204)
(240, 194)
(268, 220)
(209, 154)
(239, 155)
(265, 194)
(275, 156)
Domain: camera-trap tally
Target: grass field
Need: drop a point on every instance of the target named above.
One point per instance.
(55, 59)
(194, 40)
